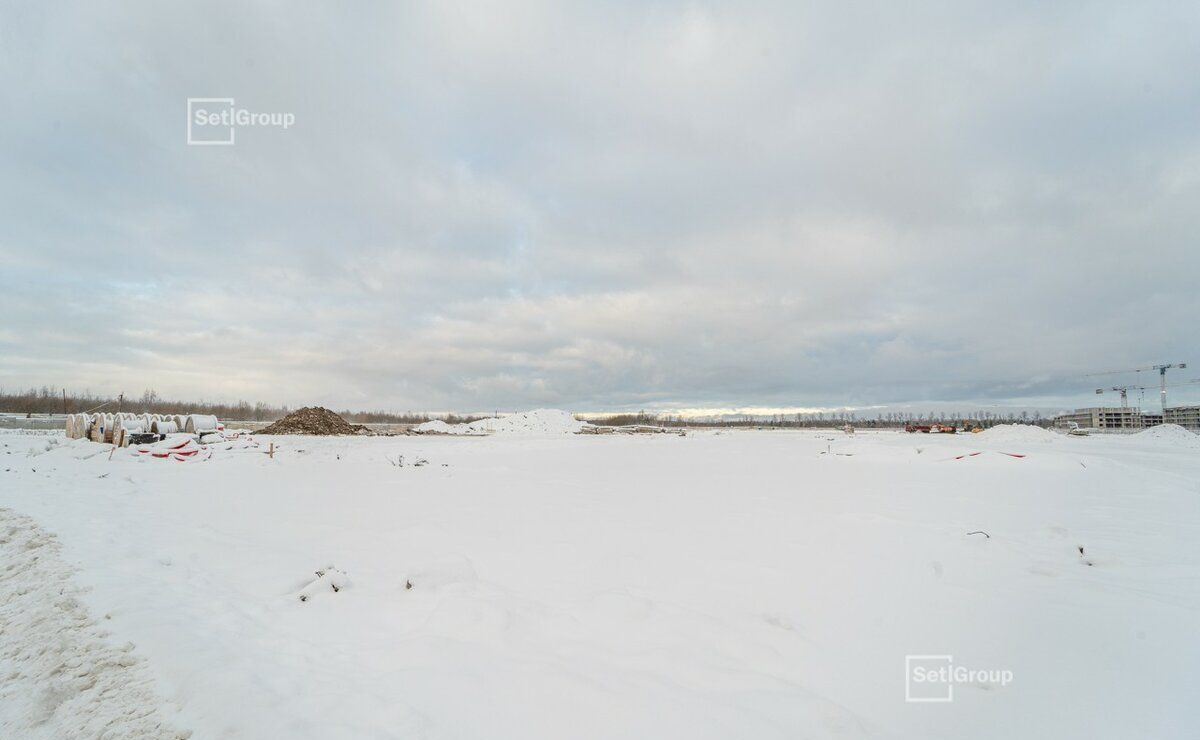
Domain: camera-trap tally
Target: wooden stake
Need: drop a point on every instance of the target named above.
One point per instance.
(271, 451)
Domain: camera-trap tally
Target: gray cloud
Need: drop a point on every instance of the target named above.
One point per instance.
(505, 205)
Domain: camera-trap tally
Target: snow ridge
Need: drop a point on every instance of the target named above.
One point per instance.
(61, 677)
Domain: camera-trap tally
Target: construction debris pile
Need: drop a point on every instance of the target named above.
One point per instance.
(314, 420)
(124, 429)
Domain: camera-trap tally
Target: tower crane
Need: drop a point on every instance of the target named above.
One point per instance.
(1123, 390)
(1162, 376)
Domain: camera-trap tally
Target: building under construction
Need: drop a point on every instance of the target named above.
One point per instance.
(1187, 417)
(1117, 418)
(1107, 417)
(1127, 418)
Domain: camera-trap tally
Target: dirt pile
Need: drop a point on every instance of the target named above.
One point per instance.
(314, 420)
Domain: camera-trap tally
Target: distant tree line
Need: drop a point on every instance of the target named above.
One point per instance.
(832, 419)
(47, 400)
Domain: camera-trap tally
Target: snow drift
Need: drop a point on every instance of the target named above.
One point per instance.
(1018, 433)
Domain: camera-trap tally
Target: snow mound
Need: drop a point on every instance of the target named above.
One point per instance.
(1172, 433)
(436, 426)
(1018, 433)
(538, 421)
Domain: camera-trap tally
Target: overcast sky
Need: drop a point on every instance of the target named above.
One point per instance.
(603, 205)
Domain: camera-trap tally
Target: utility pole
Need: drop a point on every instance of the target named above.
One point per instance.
(120, 401)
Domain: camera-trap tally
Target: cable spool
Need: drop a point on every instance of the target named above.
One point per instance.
(161, 426)
(200, 423)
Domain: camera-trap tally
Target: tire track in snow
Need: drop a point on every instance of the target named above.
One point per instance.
(59, 675)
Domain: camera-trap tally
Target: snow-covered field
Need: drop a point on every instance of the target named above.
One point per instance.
(718, 585)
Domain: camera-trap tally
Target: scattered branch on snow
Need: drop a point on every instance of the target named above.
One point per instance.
(1083, 559)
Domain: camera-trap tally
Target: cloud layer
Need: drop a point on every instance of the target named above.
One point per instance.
(600, 206)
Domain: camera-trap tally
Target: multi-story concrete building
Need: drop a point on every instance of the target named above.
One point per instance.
(1187, 417)
(1102, 417)
(1151, 420)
